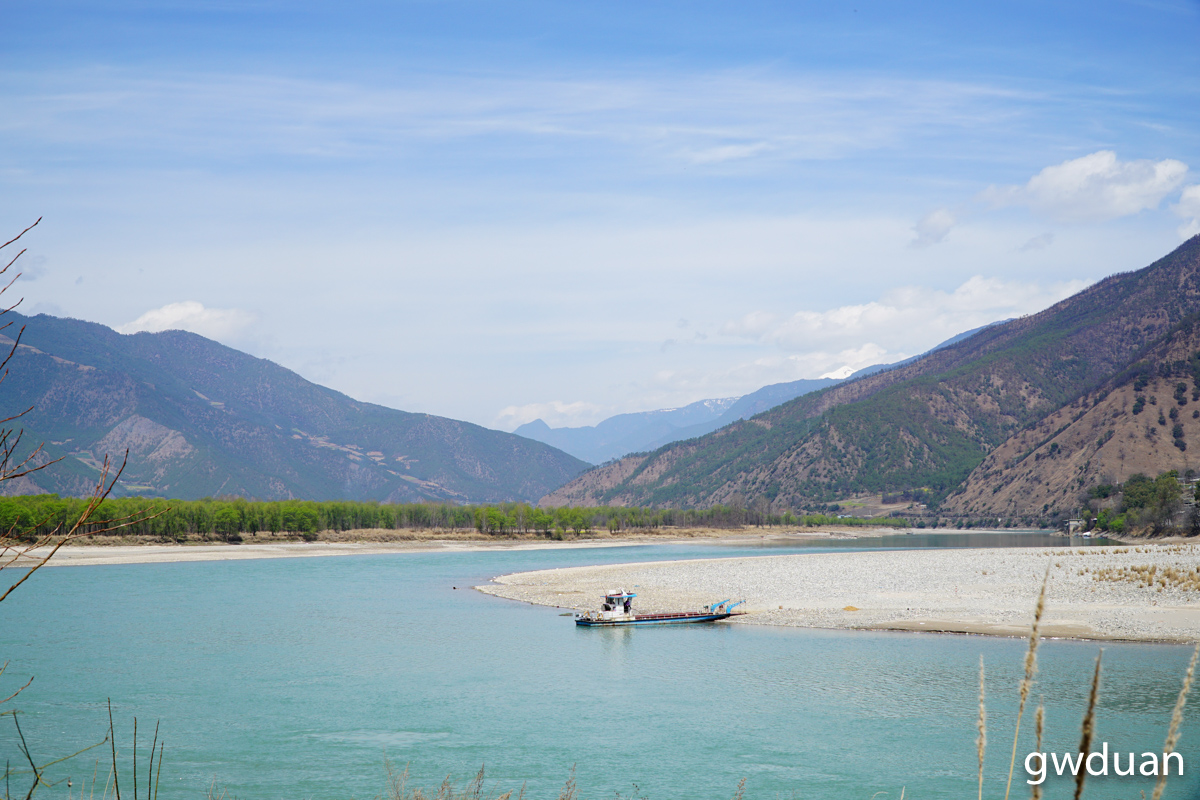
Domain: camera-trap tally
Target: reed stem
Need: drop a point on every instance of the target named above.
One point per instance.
(981, 740)
(113, 740)
(1039, 720)
(1089, 727)
(1176, 721)
(1030, 671)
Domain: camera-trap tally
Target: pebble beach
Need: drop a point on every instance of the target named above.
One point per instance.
(1138, 593)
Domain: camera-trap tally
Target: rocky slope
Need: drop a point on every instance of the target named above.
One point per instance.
(1141, 421)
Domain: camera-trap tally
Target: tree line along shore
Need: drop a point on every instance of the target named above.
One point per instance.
(232, 520)
(1160, 506)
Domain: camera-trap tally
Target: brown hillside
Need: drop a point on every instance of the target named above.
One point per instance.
(591, 486)
(1047, 468)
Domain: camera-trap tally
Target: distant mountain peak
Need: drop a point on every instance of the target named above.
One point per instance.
(841, 373)
(722, 403)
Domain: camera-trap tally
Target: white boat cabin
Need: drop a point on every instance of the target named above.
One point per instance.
(618, 604)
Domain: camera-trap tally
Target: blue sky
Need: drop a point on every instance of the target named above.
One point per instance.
(500, 211)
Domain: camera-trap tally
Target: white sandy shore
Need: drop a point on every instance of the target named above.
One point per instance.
(96, 554)
(90, 556)
(990, 591)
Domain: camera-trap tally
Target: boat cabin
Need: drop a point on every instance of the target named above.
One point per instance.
(617, 603)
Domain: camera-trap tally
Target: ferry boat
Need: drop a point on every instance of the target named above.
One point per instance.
(617, 609)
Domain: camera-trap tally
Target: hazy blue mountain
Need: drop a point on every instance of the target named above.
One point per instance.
(624, 433)
(649, 430)
(201, 419)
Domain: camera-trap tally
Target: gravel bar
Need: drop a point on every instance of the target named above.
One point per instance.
(984, 591)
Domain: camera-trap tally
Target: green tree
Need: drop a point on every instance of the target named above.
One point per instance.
(1165, 502)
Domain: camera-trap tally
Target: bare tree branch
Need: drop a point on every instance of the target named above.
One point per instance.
(22, 233)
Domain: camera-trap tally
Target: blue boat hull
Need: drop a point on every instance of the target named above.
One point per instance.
(654, 619)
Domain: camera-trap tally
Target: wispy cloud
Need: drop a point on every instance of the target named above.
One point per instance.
(907, 319)
(933, 227)
(1039, 242)
(222, 324)
(701, 382)
(728, 152)
(695, 119)
(753, 324)
(1188, 207)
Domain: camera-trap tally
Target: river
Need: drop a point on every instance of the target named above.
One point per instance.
(291, 678)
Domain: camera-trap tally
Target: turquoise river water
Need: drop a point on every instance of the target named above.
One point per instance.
(291, 678)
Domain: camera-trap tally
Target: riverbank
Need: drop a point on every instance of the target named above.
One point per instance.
(1093, 593)
(131, 550)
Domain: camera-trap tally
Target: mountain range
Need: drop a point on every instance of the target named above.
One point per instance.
(1018, 419)
(648, 430)
(201, 419)
(1021, 419)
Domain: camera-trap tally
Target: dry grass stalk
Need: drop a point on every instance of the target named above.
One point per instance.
(1030, 671)
(1089, 727)
(1176, 722)
(396, 781)
(981, 740)
(1039, 722)
(36, 770)
(113, 739)
(214, 794)
(158, 775)
(397, 787)
(569, 791)
(741, 790)
(18, 691)
(150, 779)
(1151, 576)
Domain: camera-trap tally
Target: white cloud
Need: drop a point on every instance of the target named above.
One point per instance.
(222, 324)
(752, 325)
(912, 319)
(933, 227)
(555, 413)
(1188, 207)
(1039, 242)
(1094, 188)
(674, 387)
